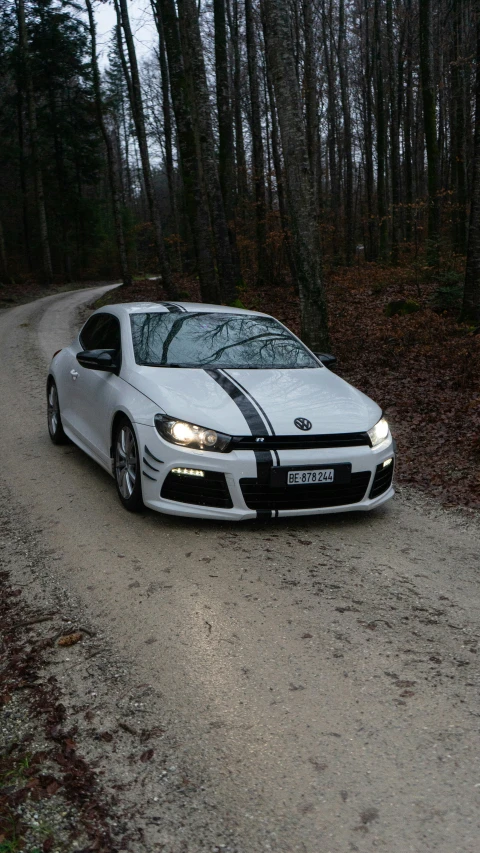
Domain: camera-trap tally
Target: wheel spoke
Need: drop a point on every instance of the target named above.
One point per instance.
(122, 482)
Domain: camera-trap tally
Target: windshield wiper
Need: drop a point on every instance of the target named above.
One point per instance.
(170, 364)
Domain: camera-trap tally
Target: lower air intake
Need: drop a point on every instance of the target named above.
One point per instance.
(265, 497)
(210, 490)
(382, 480)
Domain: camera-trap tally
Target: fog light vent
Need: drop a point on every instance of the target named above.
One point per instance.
(189, 472)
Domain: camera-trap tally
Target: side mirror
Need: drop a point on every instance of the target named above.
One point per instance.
(326, 359)
(98, 359)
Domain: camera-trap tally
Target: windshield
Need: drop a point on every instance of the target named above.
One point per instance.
(215, 340)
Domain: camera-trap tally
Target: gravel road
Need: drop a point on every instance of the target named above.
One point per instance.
(317, 680)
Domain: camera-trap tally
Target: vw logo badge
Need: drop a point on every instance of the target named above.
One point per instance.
(303, 423)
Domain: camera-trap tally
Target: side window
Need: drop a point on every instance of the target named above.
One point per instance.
(101, 332)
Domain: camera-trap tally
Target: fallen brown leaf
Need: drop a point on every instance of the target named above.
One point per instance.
(70, 639)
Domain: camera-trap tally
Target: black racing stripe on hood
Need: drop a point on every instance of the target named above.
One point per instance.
(252, 398)
(250, 413)
(173, 308)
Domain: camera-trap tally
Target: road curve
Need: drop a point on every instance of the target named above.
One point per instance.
(321, 676)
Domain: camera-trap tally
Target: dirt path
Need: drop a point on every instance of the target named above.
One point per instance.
(317, 680)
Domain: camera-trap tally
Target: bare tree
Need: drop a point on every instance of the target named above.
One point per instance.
(33, 132)
(305, 236)
(471, 294)
(113, 170)
(138, 114)
(430, 125)
(258, 159)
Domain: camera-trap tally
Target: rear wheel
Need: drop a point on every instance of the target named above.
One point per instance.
(127, 466)
(55, 428)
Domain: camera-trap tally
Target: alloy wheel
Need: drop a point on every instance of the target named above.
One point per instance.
(53, 409)
(126, 462)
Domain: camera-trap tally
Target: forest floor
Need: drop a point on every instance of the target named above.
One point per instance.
(422, 367)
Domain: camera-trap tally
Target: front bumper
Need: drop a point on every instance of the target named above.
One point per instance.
(238, 482)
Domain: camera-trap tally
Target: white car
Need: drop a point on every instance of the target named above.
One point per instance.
(215, 412)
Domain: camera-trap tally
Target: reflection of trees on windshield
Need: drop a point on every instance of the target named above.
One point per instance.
(215, 340)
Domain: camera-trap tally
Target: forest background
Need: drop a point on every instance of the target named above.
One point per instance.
(317, 159)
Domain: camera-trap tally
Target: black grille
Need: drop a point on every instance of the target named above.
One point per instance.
(299, 442)
(258, 496)
(210, 490)
(382, 480)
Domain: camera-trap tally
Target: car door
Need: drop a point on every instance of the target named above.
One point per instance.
(96, 392)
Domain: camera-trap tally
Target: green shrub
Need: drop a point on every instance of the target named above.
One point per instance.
(401, 307)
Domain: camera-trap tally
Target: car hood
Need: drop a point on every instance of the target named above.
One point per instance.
(278, 396)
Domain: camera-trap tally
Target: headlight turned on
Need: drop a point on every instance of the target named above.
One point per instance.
(379, 432)
(191, 435)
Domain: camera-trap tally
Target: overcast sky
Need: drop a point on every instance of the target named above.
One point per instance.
(141, 20)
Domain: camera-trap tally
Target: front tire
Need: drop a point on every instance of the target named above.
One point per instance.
(127, 466)
(55, 428)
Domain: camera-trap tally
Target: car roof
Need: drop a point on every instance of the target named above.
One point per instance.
(174, 307)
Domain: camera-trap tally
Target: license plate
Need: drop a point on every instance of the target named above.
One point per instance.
(307, 476)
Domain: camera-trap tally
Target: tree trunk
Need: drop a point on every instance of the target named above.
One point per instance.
(371, 251)
(226, 166)
(242, 187)
(195, 192)
(3, 257)
(23, 176)
(195, 66)
(381, 136)
(277, 160)
(394, 134)
(258, 160)
(32, 126)
(167, 122)
(471, 295)
(458, 129)
(311, 104)
(408, 127)
(331, 110)
(305, 236)
(347, 137)
(430, 127)
(136, 102)
(112, 163)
